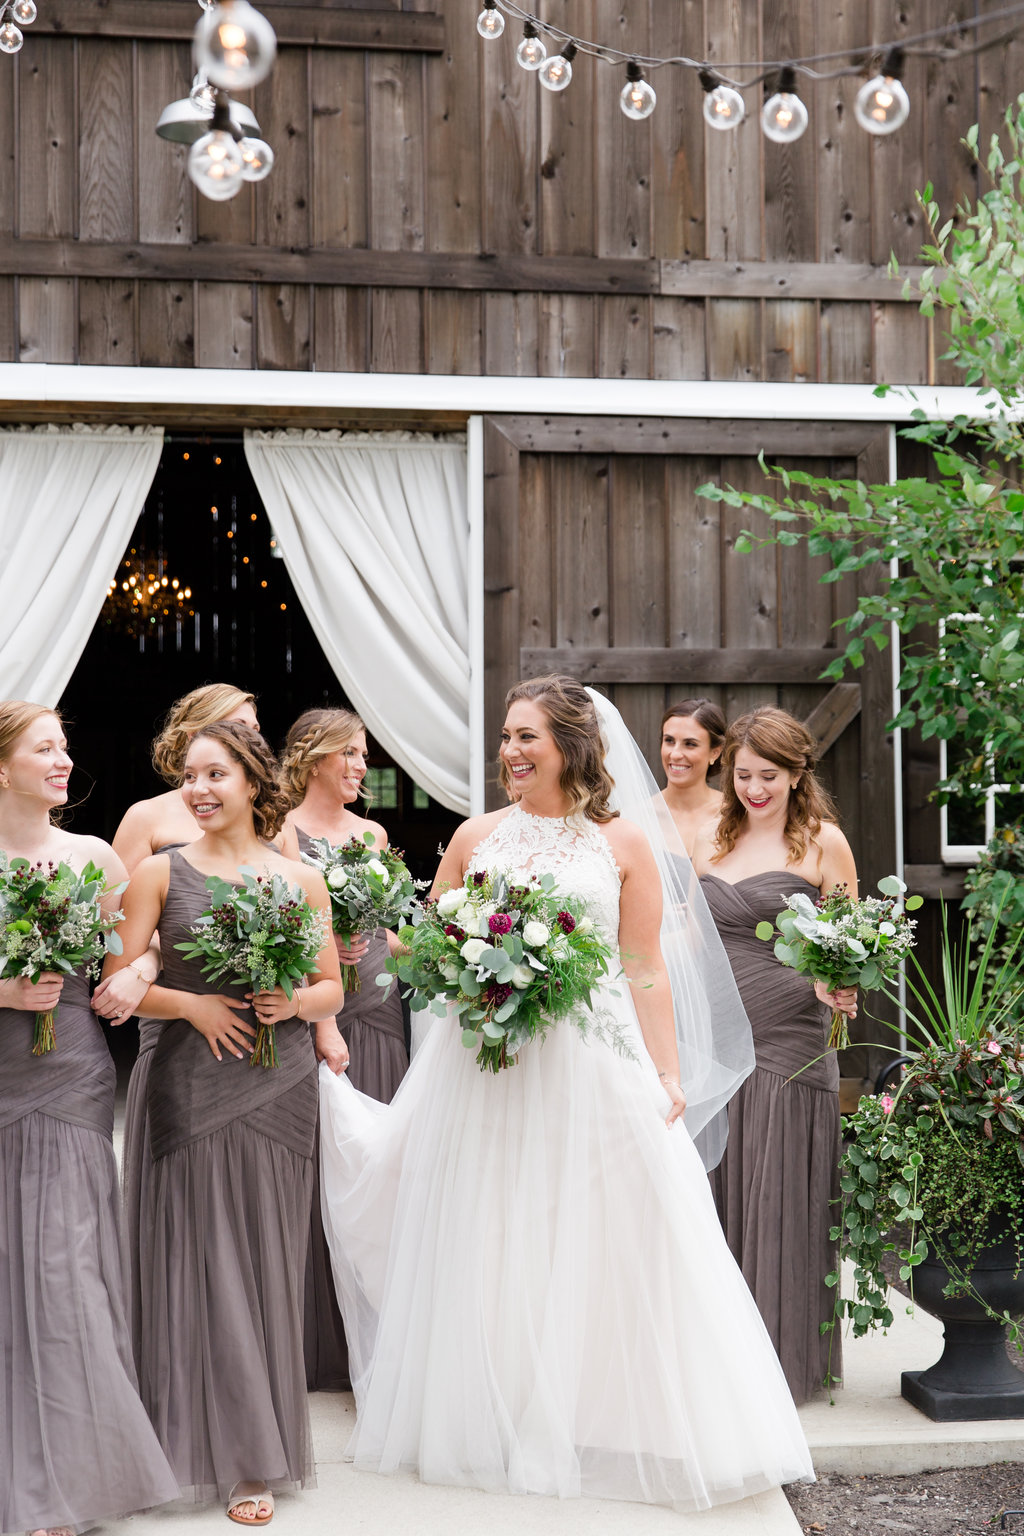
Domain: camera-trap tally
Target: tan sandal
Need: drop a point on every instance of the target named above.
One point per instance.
(255, 1494)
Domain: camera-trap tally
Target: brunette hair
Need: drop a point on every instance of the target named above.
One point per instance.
(707, 714)
(316, 734)
(779, 738)
(574, 725)
(203, 706)
(247, 747)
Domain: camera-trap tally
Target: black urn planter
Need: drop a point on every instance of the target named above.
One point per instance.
(973, 1378)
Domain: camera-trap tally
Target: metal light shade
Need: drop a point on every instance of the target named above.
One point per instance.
(183, 122)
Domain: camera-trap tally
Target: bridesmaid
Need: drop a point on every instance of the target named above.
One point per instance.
(324, 766)
(775, 1185)
(692, 734)
(221, 1303)
(76, 1446)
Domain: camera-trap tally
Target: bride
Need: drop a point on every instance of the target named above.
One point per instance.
(536, 1289)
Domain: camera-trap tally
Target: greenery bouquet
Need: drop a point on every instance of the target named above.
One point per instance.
(369, 888)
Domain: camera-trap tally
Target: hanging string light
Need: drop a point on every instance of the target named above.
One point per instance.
(490, 22)
(784, 116)
(882, 104)
(723, 106)
(531, 52)
(637, 98)
(555, 73)
(15, 14)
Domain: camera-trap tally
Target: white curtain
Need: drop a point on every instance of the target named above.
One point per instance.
(374, 530)
(69, 499)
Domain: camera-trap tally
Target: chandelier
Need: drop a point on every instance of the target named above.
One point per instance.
(234, 47)
(15, 14)
(142, 596)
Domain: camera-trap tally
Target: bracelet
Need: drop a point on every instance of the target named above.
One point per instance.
(149, 980)
(298, 1006)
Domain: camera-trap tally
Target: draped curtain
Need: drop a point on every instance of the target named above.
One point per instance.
(374, 530)
(69, 499)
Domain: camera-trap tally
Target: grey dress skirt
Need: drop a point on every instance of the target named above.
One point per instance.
(776, 1183)
(75, 1443)
(373, 1027)
(223, 1233)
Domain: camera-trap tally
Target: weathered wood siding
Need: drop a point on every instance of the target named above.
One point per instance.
(434, 210)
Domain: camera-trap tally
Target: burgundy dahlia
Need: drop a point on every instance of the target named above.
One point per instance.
(497, 993)
(499, 922)
(565, 921)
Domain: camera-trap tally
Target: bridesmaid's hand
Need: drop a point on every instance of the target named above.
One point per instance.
(351, 954)
(118, 997)
(330, 1045)
(215, 1019)
(678, 1098)
(274, 1007)
(842, 1000)
(41, 996)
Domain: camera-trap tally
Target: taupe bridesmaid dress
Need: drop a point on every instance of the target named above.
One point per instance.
(75, 1443)
(372, 1024)
(775, 1185)
(224, 1228)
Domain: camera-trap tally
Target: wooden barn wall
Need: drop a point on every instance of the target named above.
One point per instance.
(434, 210)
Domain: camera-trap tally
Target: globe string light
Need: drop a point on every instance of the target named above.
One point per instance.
(15, 14)
(882, 104)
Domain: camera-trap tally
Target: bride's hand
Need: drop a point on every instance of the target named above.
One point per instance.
(842, 1000)
(678, 1098)
(330, 1045)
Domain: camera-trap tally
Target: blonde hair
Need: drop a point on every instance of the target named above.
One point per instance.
(780, 739)
(16, 715)
(203, 706)
(572, 720)
(248, 748)
(316, 733)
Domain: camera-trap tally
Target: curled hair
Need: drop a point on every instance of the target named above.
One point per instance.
(316, 734)
(260, 767)
(203, 706)
(16, 715)
(780, 739)
(572, 720)
(708, 715)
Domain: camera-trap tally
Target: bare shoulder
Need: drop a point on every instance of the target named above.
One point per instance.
(380, 836)
(628, 842)
(151, 874)
(473, 831)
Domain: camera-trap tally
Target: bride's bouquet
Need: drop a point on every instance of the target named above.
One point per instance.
(369, 888)
(50, 920)
(844, 942)
(261, 934)
(507, 960)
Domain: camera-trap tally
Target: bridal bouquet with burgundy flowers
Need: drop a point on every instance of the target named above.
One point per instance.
(506, 960)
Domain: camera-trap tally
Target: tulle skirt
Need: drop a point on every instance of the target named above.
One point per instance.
(537, 1293)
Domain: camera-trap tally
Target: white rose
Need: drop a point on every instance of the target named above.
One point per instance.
(468, 920)
(584, 925)
(336, 879)
(450, 972)
(450, 901)
(560, 948)
(535, 934)
(522, 976)
(472, 950)
(379, 870)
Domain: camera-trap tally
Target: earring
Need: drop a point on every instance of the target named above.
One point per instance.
(315, 772)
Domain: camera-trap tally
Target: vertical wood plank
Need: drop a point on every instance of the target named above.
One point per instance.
(282, 106)
(791, 170)
(107, 322)
(501, 589)
(677, 140)
(694, 558)
(579, 517)
(901, 344)
(536, 552)
(567, 335)
(750, 596)
(845, 343)
(167, 326)
(843, 170)
(624, 337)
(897, 227)
(339, 150)
(341, 330)
(8, 322)
(46, 320)
(395, 117)
(230, 223)
(509, 151)
(283, 337)
(951, 105)
(454, 331)
(638, 597)
(678, 339)
(453, 135)
(9, 151)
(791, 340)
(999, 75)
(106, 146)
(623, 152)
(734, 338)
(46, 138)
(396, 330)
(224, 325)
(733, 159)
(166, 211)
(511, 339)
(567, 156)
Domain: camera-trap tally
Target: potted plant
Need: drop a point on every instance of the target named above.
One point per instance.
(934, 1173)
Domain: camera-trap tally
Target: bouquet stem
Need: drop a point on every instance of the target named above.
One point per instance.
(265, 1050)
(839, 1034)
(44, 1039)
(492, 1058)
(350, 979)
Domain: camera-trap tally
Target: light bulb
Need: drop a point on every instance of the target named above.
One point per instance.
(490, 22)
(234, 45)
(215, 165)
(882, 105)
(723, 107)
(257, 159)
(25, 11)
(637, 98)
(531, 52)
(556, 72)
(203, 95)
(10, 38)
(784, 116)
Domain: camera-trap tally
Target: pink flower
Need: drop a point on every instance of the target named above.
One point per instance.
(994, 1048)
(888, 1103)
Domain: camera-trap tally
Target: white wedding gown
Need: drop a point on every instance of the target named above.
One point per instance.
(536, 1289)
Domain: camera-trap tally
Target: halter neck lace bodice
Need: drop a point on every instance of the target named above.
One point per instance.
(579, 856)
